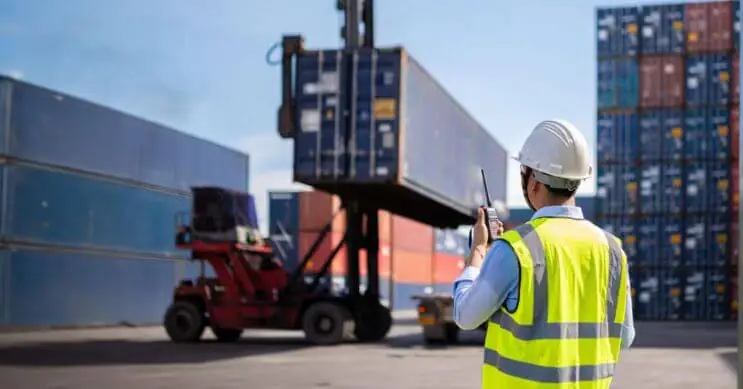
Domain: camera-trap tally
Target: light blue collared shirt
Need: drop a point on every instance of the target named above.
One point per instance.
(478, 293)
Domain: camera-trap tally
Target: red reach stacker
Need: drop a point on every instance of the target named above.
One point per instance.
(252, 289)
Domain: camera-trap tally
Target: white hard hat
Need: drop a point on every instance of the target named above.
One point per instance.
(557, 149)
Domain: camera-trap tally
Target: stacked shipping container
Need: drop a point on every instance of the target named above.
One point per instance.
(667, 140)
(90, 197)
(413, 258)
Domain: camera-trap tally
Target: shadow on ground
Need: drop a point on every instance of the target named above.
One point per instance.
(126, 352)
(731, 360)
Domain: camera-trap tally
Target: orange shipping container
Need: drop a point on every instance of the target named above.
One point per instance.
(307, 239)
(412, 267)
(317, 208)
(709, 26)
(446, 268)
(410, 235)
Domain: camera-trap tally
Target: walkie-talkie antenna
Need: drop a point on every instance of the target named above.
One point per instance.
(485, 184)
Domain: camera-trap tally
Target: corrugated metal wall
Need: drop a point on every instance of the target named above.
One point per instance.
(667, 159)
(90, 198)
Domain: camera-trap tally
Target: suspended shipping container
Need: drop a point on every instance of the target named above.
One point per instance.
(403, 117)
(51, 128)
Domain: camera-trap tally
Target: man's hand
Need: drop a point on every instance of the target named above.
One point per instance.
(480, 240)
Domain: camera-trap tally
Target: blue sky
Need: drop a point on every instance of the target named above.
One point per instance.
(199, 66)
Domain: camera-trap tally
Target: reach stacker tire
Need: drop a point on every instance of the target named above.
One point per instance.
(374, 323)
(327, 323)
(184, 322)
(227, 335)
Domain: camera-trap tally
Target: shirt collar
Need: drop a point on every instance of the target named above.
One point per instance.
(566, 211)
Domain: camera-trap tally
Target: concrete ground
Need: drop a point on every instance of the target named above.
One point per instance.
(667, 355)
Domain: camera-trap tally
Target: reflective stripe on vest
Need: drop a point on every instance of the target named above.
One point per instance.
(540, 330)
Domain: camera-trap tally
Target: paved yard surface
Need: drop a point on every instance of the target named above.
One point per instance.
(667, 356)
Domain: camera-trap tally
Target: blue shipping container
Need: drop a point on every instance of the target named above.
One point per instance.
(651, 188)
(618, 134)
(70, 289)
(662, 29)
(588, 205)
(719, 143)
(708, 78)
(46, 126)
(451, 242)
(673, 134)
(648, 241)
(394, 93)
(286, 246)
(617, 31)
(618, 83)
(696, 134)
(62, 208)
(657, 294)
(696, 182)
(283, 212)
(672, 188)
(671, 241)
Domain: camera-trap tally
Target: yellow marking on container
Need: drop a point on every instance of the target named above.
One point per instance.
(385, 109)
(677, 132)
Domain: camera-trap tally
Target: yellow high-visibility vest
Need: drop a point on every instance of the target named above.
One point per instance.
(566, 329)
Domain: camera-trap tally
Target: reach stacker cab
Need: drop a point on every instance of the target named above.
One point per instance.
(252, 289)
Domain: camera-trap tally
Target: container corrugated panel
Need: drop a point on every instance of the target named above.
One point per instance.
(662, 29)
(694, 293)
(657, 294)
(410, 267)
(606, 138)
(446, 268)
(696, 245)
(588, 205)
(69, 209)
(673, 134)
(720, 134)
(718, 239)
(735, 132)
(316, 210)
(717, 284)
(720, 77)
(617, 31)
(718, 189)
(283, 212)
(736, 25)
(70, 289)
(625, 228)
(628, 179)
(662, 81)
(672, 188)
(735, 77)
(651, 184)
(451, 242)
(709, 26)
(53, 128)
(652, 135)
(410, 235)
(648, 238)
(403, 117)
(672, 241)
(697, 199)
(696, 134)
(618, 83)
(698, 84)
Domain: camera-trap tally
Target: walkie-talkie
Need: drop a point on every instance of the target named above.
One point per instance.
(491, 217)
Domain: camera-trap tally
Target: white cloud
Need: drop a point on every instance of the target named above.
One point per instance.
(17, 74)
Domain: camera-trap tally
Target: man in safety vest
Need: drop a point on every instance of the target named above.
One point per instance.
(555, 291)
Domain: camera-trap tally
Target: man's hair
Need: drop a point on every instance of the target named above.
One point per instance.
(560, 193)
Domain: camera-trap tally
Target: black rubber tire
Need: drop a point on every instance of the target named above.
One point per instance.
(184, 322)
(374, 324)
(227, 335)
(326, 323)
(451, 333)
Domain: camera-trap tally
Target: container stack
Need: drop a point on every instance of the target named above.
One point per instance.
(667, 141)
(90, 197)
(448, 258)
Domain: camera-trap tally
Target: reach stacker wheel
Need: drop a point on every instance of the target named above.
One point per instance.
(227, 335)
(327, 323)
(373, 324)
(184, 322)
